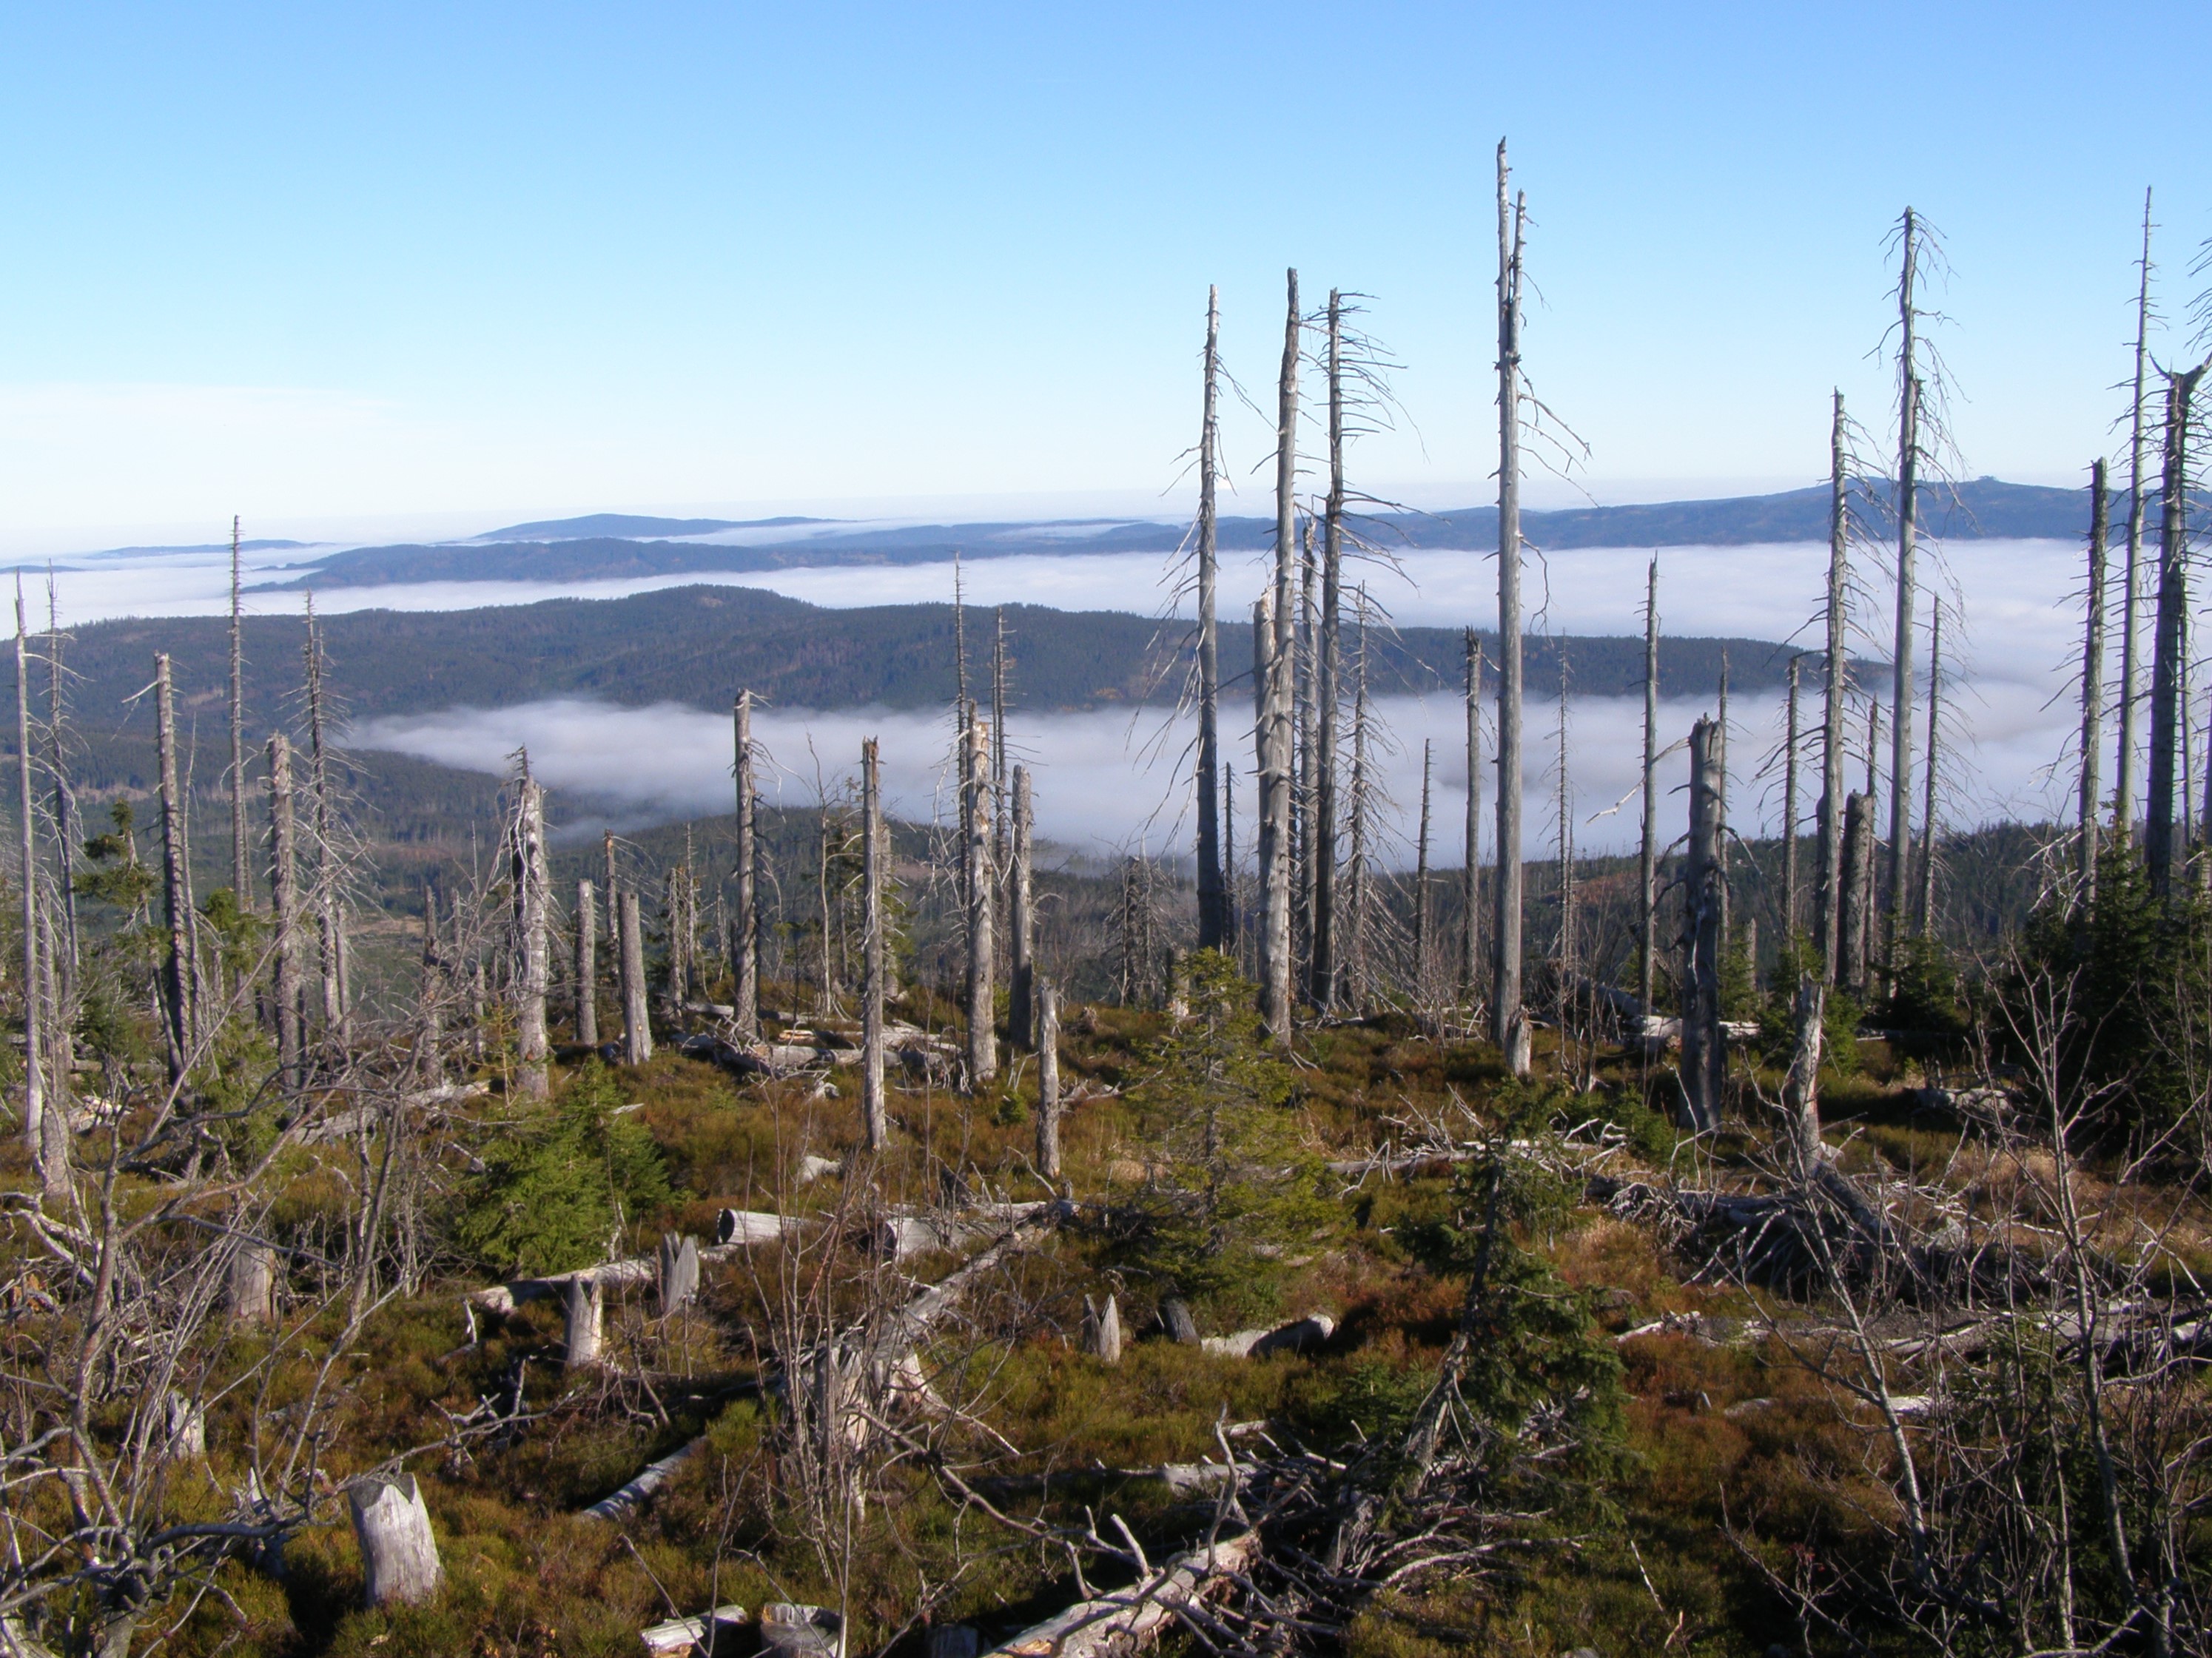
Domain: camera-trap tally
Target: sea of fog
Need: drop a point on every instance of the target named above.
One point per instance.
(1108, 779)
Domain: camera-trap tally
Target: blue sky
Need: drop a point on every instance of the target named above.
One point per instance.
(400, 263)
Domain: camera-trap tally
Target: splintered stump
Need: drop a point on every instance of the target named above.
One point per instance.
(1102, 1330)
(587, 1304)
(1175, 1320)
(679, 1271)
(398, 1554)
(252, 1291)
(786, 1628)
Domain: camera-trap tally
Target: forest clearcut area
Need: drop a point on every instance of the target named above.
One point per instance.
(428, 1231)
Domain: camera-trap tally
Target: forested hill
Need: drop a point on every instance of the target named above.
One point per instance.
(696, 646)
(607, 546)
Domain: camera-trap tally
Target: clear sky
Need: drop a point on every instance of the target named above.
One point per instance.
(323, 264)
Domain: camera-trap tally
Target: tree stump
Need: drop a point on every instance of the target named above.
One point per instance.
(586, 1305)
(786, 1628)
(1047, 1052)
(399, 1553)
(1175, 1320)
(252, 1288)
(184, 1430)
(1102, 1330)
(679, 1271)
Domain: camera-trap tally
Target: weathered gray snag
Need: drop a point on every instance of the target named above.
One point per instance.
(1856, 912)
(1704, 1061)
(1790, 819)
(744, 940)
(1360, 875)
(975, 813)
(637, 1028)
(679, 1271)
(1421, 877)
(1647, 855)
(1214, 927)
(179, 971)
(398, 1551)
(875, 1121)
(1302, 768)
(284, 897)
(329, 921)
(65, 826)
(1828, 846)
(1509, 1020)
(587, 965)
(1102, 1330)
(241, 875)
(1276, 715)
(533, 898)
(1471, 878)
(34, 1015)
(1047, 1052)
(1022, 932)
(1328, 666)
(2124, 795)
(1801, 1089)
(2169, 642)
(583, 1319)
(1908, 520)
(1923, 903)
(998, 832)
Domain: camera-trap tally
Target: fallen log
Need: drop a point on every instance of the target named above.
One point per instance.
(1301, 1335)
(620, 1501)
(1133, 1618)
(723, 1630)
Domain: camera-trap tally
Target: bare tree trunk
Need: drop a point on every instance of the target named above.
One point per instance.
(532, 897)
(1215, 928)
(1328, 669)
(398, 1551)
(242, 874)
(744, 965)
(1828, 878)
(330, 921)
(2167, 669)
(1359, 962)
(587, 965)
(1302, 773)
(983, 1034)
(998, 797)
(1048, 1053)
(1421, 880)
(1721, 847)
(1102, 1330)
(178, 971)
(1801, 1087)
(1856, 883)
(435, 985)
(1789, 818)
(1021, 999)
(1275, 719)
(637, 1027)
(1704, 1061)
(875, 1123)
(249, 1294)
(1471, 879)
(284, 898)
(1647, 853)
(1923, 903)
(1901, 688)
(1564, 808)
(2124, 801)
(679, 1272)
(34, 1012)
(1509, 1021)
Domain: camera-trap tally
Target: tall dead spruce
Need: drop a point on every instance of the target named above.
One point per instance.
(975, 839)
(1214, 919)
(875, 1126)
(1022, 928)
(1471, 877)
(179, 971)
(1277, 667)
(1830, 884)
(532, 899)
(1509, 1021)
(1647, 855)
(1704, 1061)
(2131, 599)
(284, 899)
(2169, 644)
(744, 934)
(1327, 667)
(241, 875)
(329, 918)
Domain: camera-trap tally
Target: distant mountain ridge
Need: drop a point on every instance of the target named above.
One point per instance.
(612, 546)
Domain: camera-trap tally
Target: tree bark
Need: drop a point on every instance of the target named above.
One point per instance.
(1704, 1061)
(1022, 934)
(637, 1027)
(1901, 689)
(1801, 1087)
(875, 1122)
(1828, 848)
(679, 1271)
(1047, 1052)
(1214, 927)
(34, 1013)
(2123, 796)
(1647, 855)
(284, 896)
(533, 896)
(178, 972)
(1471, 878)
(241, 875)
(398, 1550)
(1102, 1330)
(983, 1033)
(1509, 1021)
(251, 1291)
(2168, 672)
(1856, 912)
(745, 965)
(1275, 757)
(583, 1320)
(587, 965)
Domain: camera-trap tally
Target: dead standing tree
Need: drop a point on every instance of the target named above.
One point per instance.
(180, 969)
(1276, 713)
(744, 940)
(1829, 883)
(875, 1123)
(1509, 1020)
(1471, 877)
(45, 1104)
(1704, 1061)
(2123, 798)
(1022, 924)
(329, 916)
(1647, 854)
(532, 899)
(1214, 926)
(284, 899)
(2169, 641)
(975, 840)
(241, 875)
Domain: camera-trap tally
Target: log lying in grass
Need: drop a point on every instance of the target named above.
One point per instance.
(904, 1232)
(734, 1228)
(1301, 1335)
(1182, 1478)
(617, 1503)
(1133, 1618)
(788, 1628)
